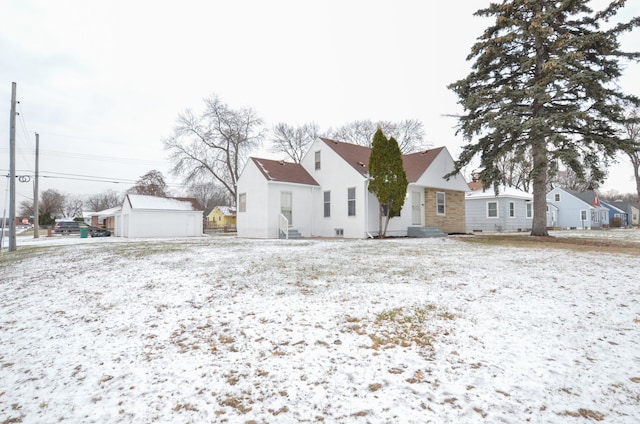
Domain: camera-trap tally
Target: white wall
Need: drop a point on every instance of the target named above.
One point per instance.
(253, 223)
(337, 176)
(441, 166)
(162, 223)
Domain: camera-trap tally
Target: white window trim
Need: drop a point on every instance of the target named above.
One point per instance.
(355, 194)
(242, 202)
(512, 208)
(529, 210)
(444, 203)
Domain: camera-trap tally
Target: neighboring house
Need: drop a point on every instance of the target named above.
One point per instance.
(106, 218)
(617, 217)
(151, 216)
(327, 195)
(630, 209)
(222, 216)
(575, 210)
(510, 210)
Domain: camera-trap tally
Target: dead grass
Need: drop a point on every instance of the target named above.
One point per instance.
(577, 244)
(584, 413)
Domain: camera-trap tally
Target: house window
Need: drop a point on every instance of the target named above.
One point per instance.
(327, 204)
(492, 209)
(557, 197)
(583, 215)
(512, 210)
(317, 160)
(440, 203)
(530, 210)
(351, 201)
(242, 202)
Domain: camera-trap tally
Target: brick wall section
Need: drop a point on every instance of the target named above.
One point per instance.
(454, 220)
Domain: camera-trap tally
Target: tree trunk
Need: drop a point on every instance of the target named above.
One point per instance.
(539, 148)
(539, 227)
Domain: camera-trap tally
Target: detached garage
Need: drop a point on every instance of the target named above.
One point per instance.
(151, 216)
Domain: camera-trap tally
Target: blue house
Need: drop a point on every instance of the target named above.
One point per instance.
(617, 217)
(573, 209)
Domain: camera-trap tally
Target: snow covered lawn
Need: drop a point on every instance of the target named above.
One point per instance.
(219, 329)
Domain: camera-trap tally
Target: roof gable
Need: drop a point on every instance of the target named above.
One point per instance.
(355, 155)
(286, 172)
(414, 164)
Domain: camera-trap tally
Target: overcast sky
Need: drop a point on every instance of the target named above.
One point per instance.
(103, 82)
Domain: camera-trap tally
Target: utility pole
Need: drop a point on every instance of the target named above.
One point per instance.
(12, 171)
(36, 212)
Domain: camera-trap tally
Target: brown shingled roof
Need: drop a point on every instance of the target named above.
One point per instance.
(286, 172)
(416, 163)
(355, 155)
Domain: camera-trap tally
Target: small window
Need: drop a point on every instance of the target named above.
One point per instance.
(327, 204)
(492, 209)
(530, 210)
(512, 209)
(317, 160)
(440, 203)
(351, 201)
(242, 202)
(583, 215)
(557, 197)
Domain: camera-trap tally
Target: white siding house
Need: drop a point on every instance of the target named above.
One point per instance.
(575, 209)
(151, 216)
(327, 195)
(510, 210)
(267, 189)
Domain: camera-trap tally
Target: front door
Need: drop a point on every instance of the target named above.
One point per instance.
(416, 209)
(285, 205)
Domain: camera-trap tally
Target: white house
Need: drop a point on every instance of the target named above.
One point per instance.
(327, 195)
(151, 216)
(575, 209)
(509, 210)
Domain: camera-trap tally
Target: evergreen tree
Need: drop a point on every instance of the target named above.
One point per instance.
(388, 178)
(544, 84)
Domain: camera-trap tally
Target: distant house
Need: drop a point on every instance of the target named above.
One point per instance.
(617, 217)
(631, 211)
(573, 209)
(222, 217)
(326, 195)
(106, 218)
(509, 210)
(151, 216)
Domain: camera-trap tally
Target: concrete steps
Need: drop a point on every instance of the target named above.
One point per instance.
(425, 232)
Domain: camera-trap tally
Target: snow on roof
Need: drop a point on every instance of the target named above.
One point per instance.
(226, 210)
(503, 191)
(140, 201)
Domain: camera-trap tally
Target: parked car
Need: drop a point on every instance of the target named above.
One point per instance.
(73, 227)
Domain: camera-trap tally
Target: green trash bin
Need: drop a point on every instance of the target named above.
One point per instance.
(84, 232)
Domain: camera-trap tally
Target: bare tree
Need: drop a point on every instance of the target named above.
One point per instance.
(632, 144)
(105, 200)
(73, 206)
(152, 184)
(210, 195)
(26, 208)
(214, 145)
(52, 202)
(294, 141)
(409, 133)
(516, 169)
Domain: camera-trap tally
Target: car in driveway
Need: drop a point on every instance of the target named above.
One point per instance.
(73, 227)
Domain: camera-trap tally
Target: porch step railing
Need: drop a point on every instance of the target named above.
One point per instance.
(283, 231)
